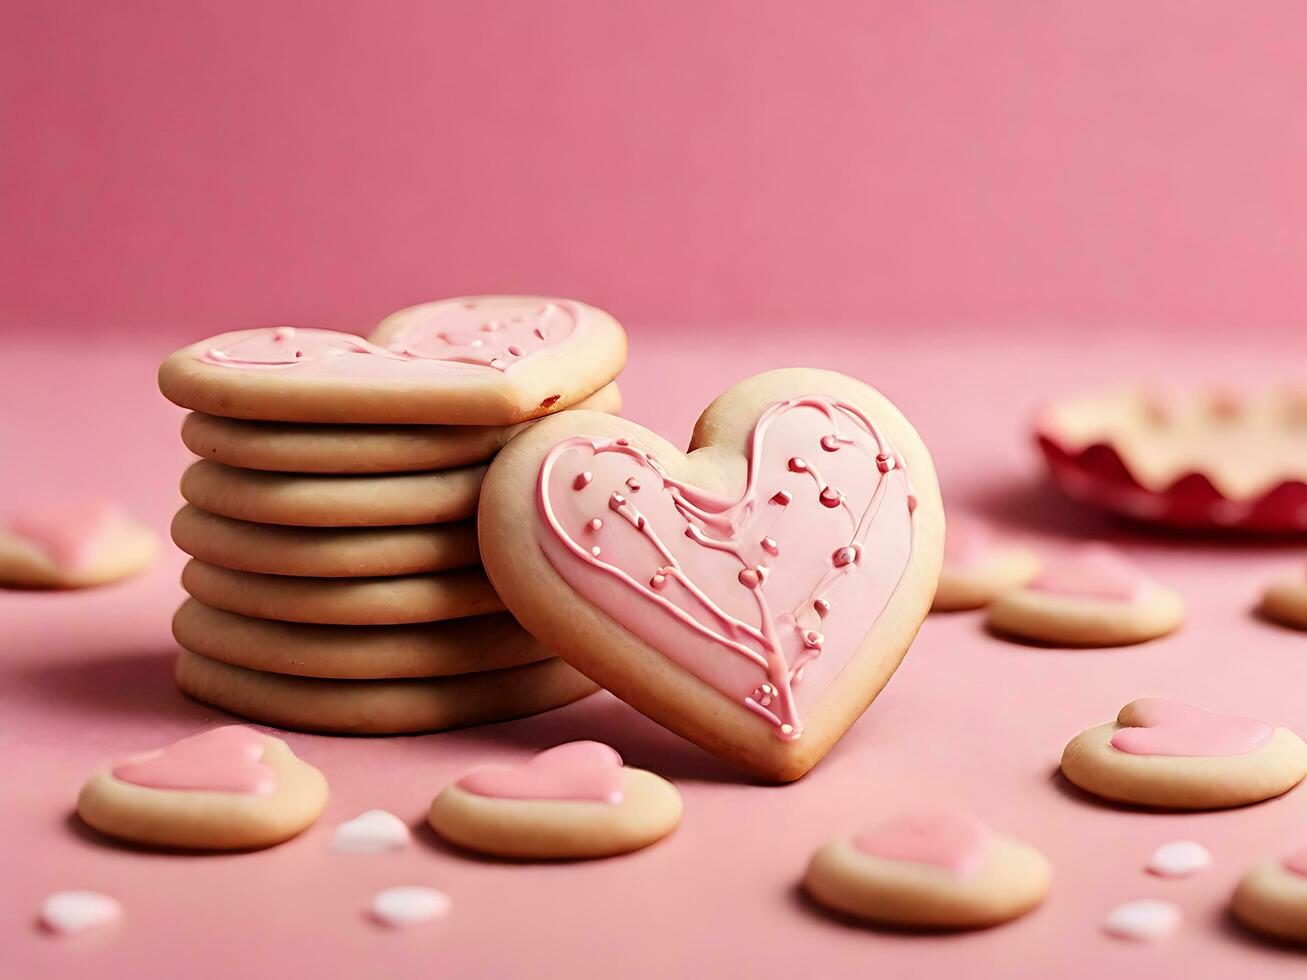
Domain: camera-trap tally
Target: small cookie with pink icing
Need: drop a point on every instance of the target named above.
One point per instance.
(226, 789)
(978, 567)
(73, 546)
(1094, 597)
(474, 360)
(1285, 600)
(306, 447)
(1272, 898)
(754, 594)
(930, 871)
(572, 801)
(1165, 753)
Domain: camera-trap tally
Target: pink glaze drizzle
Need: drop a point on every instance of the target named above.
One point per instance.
(1296, 862)
(1094, 571)
(716, 524)
(956, 842)
(580, 771)
(72, 535)
(224, 760)
(1159, 726)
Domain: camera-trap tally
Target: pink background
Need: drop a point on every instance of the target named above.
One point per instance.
(205, 165)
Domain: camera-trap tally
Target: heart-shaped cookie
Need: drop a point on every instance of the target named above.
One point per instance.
(754, 595)
(475, 360)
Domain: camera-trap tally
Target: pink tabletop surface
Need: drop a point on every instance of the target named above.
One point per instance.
(969, 721)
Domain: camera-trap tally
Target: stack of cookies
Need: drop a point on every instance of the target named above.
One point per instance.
(335, 582)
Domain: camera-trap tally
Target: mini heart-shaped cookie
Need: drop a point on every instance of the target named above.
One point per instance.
(371, 832)
(754, 595)
(1160, 726)
(575, 771)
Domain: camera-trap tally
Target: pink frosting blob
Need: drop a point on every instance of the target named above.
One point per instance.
(966, 543)
(956, 842)
(1095, 571)
(1296, 863)
(70, 534)
(578, 771)
(224, 760)
(1165, 727)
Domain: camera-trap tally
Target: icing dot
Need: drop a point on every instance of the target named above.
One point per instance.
(490, 326)
(633, 484)
(749, 578)
(623, 442)
(844, 556)
(830, 443)
(782, 497)
(1145, 918)
(813, 640)
(540, 333)
(283, 333)
(409, 905)
(770, 546)
(822, 607)
(884, 462)
(830, 497)
(76, 911)
(478, 342)
(371, 832)
(515, 350)
(596, 551)
(798, 465)
(763, 694)
(595, 524)
(787, 728)
(1179, 859)
(616, 501)
(582, 480)
(658, 581)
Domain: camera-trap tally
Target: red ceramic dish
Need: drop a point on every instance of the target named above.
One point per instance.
(1201, 460)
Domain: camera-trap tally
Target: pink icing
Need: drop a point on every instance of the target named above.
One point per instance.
(581, 771)
(454, 332)
(70, 535)
(956, 842)
(966, 543)
(224, 760)
(766, 595)
(1095, 571)
(1159, 726)
(1297, 862)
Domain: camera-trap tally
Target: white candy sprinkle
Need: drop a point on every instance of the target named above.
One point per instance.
(371, 832)
(408, 905)
(1143, 919)
(1179, 859)
(76, 911)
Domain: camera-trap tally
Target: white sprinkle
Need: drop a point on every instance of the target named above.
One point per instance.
(371, 832)
(409, 905)
(1143, 919)
(1179, 859)
(76, 911)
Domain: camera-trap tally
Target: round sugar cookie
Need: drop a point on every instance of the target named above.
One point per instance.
(978, 567)
(381, 707)
(228, 788)
(344, 601)
(1164, 753)
(572, 801)
(73, 546)
(1272, 898)
(1095, 597)
(456, 646)
(930, 871)
(474, 360)
(311, 500)
(316, 552)
(1285, 600)
(305, 447)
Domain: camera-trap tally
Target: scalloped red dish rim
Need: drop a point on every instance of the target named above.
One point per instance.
(1097, 475)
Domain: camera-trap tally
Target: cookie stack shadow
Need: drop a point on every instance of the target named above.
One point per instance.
(335, 582)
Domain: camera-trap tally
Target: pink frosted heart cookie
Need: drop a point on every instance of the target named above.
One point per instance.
(1272, 898)
(475, 360)
(1285, 600)
(572, 801)
(1165, 753)
(979, 567)
(930, 870)
(1094, 597)
(229, 788)
(73, 546)
(754, 595)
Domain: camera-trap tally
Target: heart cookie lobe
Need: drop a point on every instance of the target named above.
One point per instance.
(754, 595)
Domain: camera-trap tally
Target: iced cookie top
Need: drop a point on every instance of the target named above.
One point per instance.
(224, 760)
(485, 360)
(1159, 726)
(577, 771)
(953, 842)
